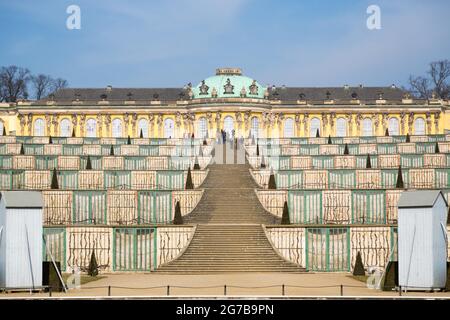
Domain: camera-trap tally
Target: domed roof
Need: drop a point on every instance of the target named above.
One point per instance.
(228, 83)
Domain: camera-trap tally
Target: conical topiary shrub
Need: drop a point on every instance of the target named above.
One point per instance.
(54, 184)
(368, 162)
(399, 184)
(4, 130)
(285, 217)
(73, 133)
(177, 218)
(346, 149)
(317, 133)
(204, 142)
(189, 183)
(408, 139)
(257, 150)
(129, 140)
(272, 184)
(93, 266)
(88, 163)
(111, 151)
(50, 140)
(329, 140)
(22, 150)
(263, 163)
(141, 134)
(386, 133)
(196, 164)
(436, 148)
(358, 269)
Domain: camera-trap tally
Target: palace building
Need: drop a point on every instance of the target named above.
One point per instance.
(229, 101)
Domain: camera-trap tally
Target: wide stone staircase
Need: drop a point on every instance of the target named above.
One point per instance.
(229, 236)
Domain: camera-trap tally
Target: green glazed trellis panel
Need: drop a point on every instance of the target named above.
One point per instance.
(3, 148)
(89, 207)
(135, 163)
(353, 148)
(96, 162)
(399, 139)
(448, 160)
(55, 241)
(121, 141)
(289, 179)
(369, 206)
(342, 179)
(437, 137)
(299, 140)
(148, 150)
(393, 255)
(46, 162)
(68, 179)
(305, 207)
(328, 249)
(271, 152)
(411, 160)
(442, 178)
(170, 180)
(115, 179)
(6, 162)
(72, 149)
(309, 149)
(106, 150)
(59, 140)
(323, 162)
(367, 140)
(24, 139)
(389, 178)
(33, 149)
(91, 140)
(386, 148)
(187, 151)
(425, 147)
(134, 249)
(337, 140)
(361, 161)
(12, 179)
(154, 207)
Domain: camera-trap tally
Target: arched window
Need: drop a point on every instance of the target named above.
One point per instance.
(143, 126)
(367, 128)
(91, 128)
(202, 128)
(341, 127)
(254, 131)
(39, 128)
(117, 128)
(168, 128)
(288, 129)
(419, 126)
(64, 128)
(315, 125)
(228, 124)
(393, 127)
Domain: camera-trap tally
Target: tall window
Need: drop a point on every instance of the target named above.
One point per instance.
(2, 125)
(254, 131)
(341, 127)
(202, 128)
(91, 128)
(169, 128)
(117, 128)
(419, 126)
(228, 124)
(143, 126)
(64, 128)
(367, 128)
(39, 128)
(289, 130)
(314, 127)
(393, 127)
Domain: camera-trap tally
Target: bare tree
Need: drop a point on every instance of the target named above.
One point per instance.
(42, 85)
(59, 84)
(437, 83)
(439, 73)
(13, 83)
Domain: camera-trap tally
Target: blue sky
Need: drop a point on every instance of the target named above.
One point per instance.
(170, 43)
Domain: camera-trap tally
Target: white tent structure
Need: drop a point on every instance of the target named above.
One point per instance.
(422, 240)
(20, 239)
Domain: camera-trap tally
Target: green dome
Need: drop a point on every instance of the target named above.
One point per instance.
(228, 83)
